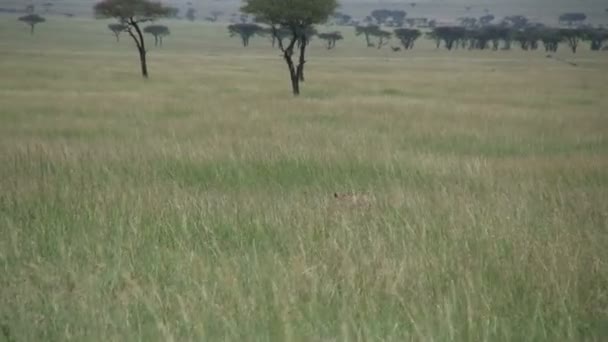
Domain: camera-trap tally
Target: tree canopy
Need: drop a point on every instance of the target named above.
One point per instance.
(158, 31)
(136, 10)
(297, 16)
(32, 20)
(407, 37)
(117, 28)
(131, 13)
(290, 12)
(245, 31)
(331, 38)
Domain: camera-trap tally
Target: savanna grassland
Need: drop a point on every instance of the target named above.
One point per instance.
(198, 205)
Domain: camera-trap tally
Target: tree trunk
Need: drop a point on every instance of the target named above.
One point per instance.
(303, 43)
(573, 44)
(160, 40)
(287, 55)
(144, 64)
(117, 37)
(142, 49)
(155, 40)
(295, 84)
(293, 74)
(32, 29)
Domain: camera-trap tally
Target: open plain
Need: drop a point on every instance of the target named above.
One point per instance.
(199, 204)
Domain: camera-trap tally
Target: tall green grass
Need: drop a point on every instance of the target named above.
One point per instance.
(199, 205)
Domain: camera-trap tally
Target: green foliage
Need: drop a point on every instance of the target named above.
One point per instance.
(117, 27)
(407, 36)
(595, 36)
(298, 16)
(572, 37)
(551, 39)
(245, 31)
(32, 20)
(528, 38)
(366, 30)
(290, 12)
(139, 10)
(449, 35)
(157, 30)
(331, 38)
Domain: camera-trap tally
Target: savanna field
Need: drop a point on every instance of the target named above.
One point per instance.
(198, 205)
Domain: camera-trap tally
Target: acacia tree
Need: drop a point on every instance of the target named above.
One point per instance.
(158, 31)
(330, 38)
(407, 37)
(367, 32)
(297, 16)
(245, 31)
(528, 38)
(117, 28)
(595, 36)
(450, 35)
(572, 37)
(132, 13)
(32, 20)
(551, 38)
(383, 37)
(376, 32)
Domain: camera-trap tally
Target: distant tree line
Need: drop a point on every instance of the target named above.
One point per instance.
(290, 27)
(529, 38)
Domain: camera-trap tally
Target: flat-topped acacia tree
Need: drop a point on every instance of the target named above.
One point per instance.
(117, 28)
(158, 31)
(297, 16)
(132, 13)
(32, 20)
(331, 38)
(245, 31)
